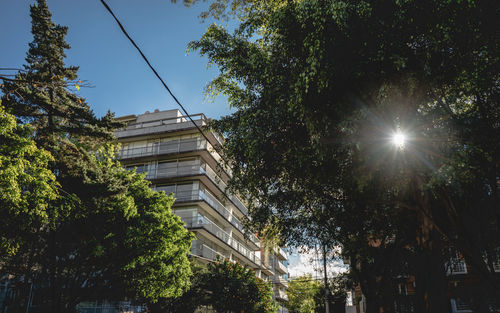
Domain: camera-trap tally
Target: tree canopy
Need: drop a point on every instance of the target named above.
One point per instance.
(223, 286)
(27, 186)
(321, 86)
(235, 288)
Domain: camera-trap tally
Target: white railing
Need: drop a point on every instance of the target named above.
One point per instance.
(108, 307)
(280, 280)
(280, 253)
(281, 267)
(161, 126)
(176, 169)
(170, 147)
(165, 147)
(456, 266)
(222, 185)
(200, 194)
(201, 221)
(206, 252)
(184, 168)
(167, 121)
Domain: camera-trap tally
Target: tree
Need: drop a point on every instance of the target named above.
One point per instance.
(305, 295)
(235, 288)
(39, 94)
(320, 86)
(27, 186)
(223, 286)
(106, 235)
(189, 301)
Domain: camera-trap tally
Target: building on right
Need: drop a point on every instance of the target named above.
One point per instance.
(462, 284)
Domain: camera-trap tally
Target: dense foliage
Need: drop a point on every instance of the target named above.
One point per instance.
(27, 186)
(321, 86)
(223, 286)
(76, 226)
(305, 295)
(235, 288)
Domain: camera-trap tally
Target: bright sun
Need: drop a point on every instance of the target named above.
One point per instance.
(398, 139)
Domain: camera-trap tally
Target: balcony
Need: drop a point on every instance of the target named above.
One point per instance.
(496, 266)
(202, 250)
(267, 269)
(174, 146)
(203, 222)
(176, 169)
(456, 266)
(166, 147)
(280, 281)
(280, 253)
(216, 180)
(162, 126)
(280, 267)
(192, 168)
(200, 194)
(108, 307)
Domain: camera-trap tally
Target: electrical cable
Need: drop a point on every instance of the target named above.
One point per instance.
(124, 31)
(151, 67)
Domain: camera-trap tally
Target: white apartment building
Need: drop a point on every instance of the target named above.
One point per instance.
(179, 160)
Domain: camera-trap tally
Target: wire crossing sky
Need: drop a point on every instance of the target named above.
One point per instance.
(121, 81)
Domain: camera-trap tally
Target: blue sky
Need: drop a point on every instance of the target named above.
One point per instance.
(122, 81)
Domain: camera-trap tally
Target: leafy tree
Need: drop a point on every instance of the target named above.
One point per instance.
(189, 301)
(106, 235)
(223, 286)
(235, 288)
(320, 87)
(305, 295)
(27, 186)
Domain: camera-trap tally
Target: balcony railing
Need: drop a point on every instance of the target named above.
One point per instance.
(184, 168)
(176, 169)
(200, 249)
(496, 266)
(456, 266)
(280, 280)
(280, 253)
(199, 194)
(108, 307)
(159, 126)
(166, 147)
(281, 267)
(201, 221)
(216, 180)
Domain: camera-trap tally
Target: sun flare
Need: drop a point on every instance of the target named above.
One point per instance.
(399, 139)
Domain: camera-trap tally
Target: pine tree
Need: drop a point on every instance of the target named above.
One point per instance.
(40, 93)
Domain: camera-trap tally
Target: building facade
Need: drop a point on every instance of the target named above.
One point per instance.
(463, 283)
(178, 159)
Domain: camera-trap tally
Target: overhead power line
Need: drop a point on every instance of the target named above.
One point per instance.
(124, 31)
(151, 67)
